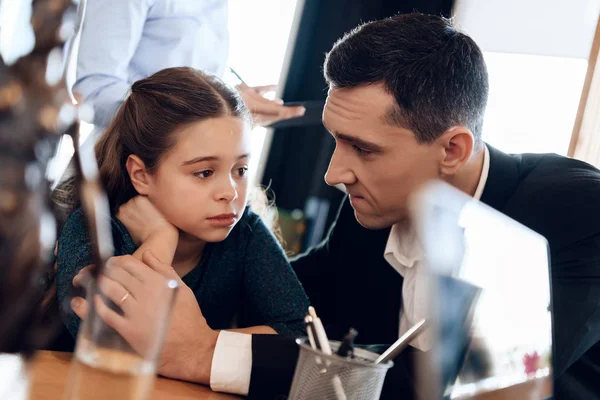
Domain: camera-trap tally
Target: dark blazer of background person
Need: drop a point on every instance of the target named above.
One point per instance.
(350, 284)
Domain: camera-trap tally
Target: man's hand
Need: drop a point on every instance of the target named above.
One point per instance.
(189, 345)
(265, 111)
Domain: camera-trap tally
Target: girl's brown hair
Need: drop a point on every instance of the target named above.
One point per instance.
(145, 123)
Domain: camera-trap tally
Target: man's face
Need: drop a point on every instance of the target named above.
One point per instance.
(380, 164)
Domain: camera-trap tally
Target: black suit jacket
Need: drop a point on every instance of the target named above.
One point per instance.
(350, 284)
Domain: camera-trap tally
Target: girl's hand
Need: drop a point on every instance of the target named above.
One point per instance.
(143, 220)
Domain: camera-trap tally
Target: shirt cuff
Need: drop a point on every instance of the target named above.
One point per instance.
(232, 363)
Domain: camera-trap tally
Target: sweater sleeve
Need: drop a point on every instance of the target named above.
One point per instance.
(74, 253)
(273, 296)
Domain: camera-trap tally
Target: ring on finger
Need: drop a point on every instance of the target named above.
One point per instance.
(125, 297)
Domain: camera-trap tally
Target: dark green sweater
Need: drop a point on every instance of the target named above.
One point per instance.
(247, 275)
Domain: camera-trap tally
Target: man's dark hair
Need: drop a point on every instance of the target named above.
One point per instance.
(436, 73)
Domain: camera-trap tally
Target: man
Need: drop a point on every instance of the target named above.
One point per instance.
(406, 102)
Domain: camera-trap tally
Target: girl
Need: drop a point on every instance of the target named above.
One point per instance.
(174, 166)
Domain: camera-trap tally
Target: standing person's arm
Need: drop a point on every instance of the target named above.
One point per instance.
(110, 35)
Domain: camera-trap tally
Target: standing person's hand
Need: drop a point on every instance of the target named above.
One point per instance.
(189, 344)
(265, 111)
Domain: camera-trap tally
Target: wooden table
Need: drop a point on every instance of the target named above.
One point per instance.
(533, 389)
(50, 370)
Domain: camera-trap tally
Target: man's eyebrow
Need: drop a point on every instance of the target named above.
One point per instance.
(358, 142)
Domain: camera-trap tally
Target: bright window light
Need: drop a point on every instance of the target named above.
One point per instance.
(259, 33)
(532, 102)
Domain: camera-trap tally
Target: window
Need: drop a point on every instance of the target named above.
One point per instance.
(259, 35)
(536, 52)
(532, 102)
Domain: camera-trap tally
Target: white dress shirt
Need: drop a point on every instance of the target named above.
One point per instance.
(404, 253)
(123, 41)
(232, 361)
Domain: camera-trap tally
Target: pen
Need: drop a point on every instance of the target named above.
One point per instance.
(399, 345)
(346, 349)
(320, 331)
(326, 348)
(237, 76)
(308, 320)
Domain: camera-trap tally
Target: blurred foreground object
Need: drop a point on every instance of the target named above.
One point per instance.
(35, 109)
(488, 279)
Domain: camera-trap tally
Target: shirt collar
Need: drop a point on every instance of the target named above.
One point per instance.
(484, 174)
(403, 248)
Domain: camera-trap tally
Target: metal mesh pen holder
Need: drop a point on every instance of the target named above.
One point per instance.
(322, 377)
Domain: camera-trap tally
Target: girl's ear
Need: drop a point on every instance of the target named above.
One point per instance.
(140, 178)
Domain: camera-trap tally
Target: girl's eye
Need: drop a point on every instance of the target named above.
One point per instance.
(204, 174)
(242, 171)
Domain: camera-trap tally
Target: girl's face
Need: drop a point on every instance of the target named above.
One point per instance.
(201, 184)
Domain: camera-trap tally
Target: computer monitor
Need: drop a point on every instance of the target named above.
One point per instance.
(489, 299)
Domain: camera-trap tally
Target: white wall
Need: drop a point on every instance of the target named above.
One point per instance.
(560, 28)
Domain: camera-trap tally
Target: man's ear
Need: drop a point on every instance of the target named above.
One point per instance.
(458, 144)
(140, 178)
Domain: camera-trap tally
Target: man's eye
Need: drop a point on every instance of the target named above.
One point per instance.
(360, 151)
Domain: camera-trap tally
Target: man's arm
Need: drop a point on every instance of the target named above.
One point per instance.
(274, 358)
(274, 362)
(110, 35)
